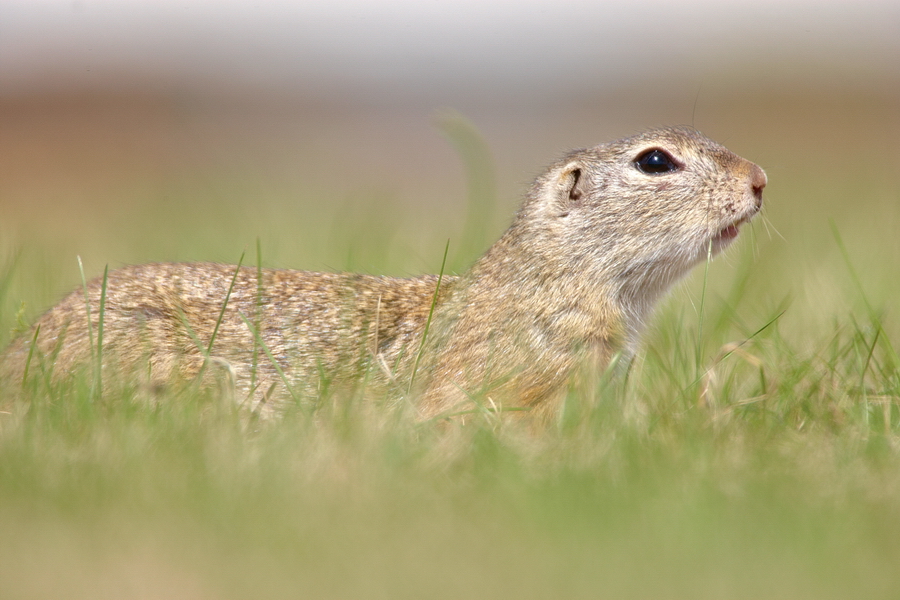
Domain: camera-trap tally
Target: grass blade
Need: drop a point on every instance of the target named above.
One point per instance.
(254, 360)
(87, 305)
(212, 338)
(268, 353)
(37, 331)
(434, 299)
(5, 281)
(98, 368)
(699, 347)
(873, 316)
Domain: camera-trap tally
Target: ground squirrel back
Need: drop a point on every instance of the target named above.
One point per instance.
(601, 235)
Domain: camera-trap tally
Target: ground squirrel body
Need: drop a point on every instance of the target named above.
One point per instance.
(601, 235)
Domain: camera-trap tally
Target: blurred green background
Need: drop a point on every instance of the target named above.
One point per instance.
(344, 137)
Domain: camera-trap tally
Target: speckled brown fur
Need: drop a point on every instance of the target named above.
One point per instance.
(594, 245)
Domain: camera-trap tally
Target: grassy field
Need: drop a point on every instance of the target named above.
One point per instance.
(753, 451)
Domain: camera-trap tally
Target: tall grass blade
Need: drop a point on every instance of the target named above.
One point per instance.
(8, 271)
(268, 353)
(254, 360)
(699, 345)
(97, 386)
(434, 298)
(87, 306)
(873, 316)
(237, 270)
(469, 144)
(37, 331)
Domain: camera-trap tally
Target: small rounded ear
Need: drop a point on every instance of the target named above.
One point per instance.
(565, 189)
(571, 186)
(576, 185)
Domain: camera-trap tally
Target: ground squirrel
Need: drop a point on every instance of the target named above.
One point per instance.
(601, 235)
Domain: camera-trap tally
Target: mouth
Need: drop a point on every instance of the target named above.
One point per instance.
(727, 234)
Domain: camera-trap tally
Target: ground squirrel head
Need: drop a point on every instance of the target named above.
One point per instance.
(639, 212)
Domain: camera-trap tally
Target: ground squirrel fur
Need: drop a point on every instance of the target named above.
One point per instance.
(600, 236)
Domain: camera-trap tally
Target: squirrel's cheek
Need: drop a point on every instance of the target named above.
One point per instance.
(663, 185)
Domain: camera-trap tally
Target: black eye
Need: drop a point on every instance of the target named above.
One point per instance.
(654, 162)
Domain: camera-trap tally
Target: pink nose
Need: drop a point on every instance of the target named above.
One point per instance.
(758, 181)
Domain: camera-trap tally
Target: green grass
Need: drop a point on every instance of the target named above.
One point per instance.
(782, 483)
(757, 456)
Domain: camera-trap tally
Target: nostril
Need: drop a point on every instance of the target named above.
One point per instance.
(757, 193)
(758, 181)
